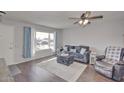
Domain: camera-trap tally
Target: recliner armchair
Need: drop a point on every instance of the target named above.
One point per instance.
(107, 63)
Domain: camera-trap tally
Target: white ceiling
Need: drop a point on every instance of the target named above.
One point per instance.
(57, 19)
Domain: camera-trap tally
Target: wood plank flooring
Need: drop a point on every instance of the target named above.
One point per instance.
(32, 73)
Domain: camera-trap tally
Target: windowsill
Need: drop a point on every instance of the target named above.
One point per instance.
(45, 50)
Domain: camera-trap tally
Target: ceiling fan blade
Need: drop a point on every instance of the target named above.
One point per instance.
(86, 24)
(3, 12)
(73, 18)
(89, 22)
(86, 14)
(83, 15)
(76, 22)
(95, 17)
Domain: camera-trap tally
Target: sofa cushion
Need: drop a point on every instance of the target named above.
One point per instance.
(73, 50)
(110, 61)
(104, 65)
(82, 51)
(78, 49)
(78, 55)
(68, 47)
(65, 48)
(85, 47)
(107, 73)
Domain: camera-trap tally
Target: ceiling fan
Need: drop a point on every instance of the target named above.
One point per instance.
(85, 18)
(2, 13)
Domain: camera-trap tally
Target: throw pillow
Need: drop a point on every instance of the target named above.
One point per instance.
(77, 49)
(73, 50)
(64, 54)
(65, 48)
(82, 51)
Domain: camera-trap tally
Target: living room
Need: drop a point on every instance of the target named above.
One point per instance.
(63, 46)
(32, 43)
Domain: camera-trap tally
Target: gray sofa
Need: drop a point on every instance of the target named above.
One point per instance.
(77, 55)
(111, 64)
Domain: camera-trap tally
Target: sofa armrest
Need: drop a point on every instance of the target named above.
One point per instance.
(61, 50)
(87, 52)
(100, 57)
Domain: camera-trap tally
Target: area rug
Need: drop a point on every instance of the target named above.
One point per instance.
(69, 73)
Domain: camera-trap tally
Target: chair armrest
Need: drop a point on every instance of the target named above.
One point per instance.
(100, 57)
(118, 71)
(120, 63)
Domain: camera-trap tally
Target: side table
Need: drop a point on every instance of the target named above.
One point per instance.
(92, 58)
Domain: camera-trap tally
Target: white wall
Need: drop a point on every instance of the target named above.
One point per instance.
(18, 41)
(1, 41)
(7, 43)
(98, 35)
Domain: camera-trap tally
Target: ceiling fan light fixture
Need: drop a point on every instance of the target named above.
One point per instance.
(80, 22)
(85, 21)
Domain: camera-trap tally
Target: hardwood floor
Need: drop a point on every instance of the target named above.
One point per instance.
(32, 73)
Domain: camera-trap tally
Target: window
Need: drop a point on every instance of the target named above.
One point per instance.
(44, 41)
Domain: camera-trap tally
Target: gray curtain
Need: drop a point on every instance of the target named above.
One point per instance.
(27, 42)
